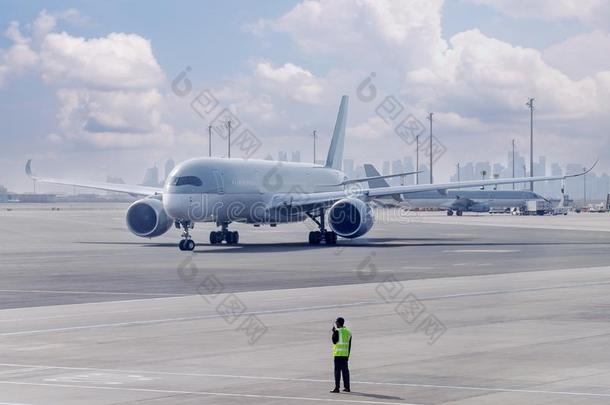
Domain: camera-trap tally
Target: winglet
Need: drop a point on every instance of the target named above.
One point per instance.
(28, 168)
(584, 171)
(334, 158)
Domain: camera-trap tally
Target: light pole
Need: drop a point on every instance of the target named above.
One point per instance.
(229, 139)
(417, 159)
(209, 141)
(530, 104)
(584, 184)
(314, 146)
(430, 118)
(513, 159)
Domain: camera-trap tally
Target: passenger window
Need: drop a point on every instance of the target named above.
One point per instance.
(187, 181)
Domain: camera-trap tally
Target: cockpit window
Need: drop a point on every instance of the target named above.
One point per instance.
(186, 181)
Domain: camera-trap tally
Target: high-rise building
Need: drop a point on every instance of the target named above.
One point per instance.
(151, 177)
(296, 156)
(348, 168)
(574, 185)
(282, 156)
(396, 168)
(385, 170)
(407, 166)
(169, 166)
(3, 194)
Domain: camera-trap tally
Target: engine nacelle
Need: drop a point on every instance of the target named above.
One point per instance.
(350, 218)
(147, 218)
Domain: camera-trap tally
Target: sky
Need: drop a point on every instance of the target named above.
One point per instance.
(90, 89)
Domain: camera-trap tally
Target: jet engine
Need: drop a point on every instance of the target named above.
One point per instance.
(147, 218)
(350, 218)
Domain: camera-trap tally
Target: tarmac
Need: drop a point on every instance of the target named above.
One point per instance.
(476, 309)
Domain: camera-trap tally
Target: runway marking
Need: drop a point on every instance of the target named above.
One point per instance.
(189, 318)
(96, 293)
(289, 379)
(13, 403)
(207, 393)
(482, 251)
(298, 309)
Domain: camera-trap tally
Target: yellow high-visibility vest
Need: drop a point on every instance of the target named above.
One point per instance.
(341, 348)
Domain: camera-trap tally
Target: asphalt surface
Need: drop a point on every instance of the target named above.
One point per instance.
(500, 310)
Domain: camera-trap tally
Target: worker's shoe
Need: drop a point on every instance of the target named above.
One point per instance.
(346, 390)
(335, 391)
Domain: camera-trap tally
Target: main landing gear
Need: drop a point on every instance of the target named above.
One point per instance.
(231, 237)
(186, 243)
(316, 237)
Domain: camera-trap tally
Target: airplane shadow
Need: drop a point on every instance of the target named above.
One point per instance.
(381, 243)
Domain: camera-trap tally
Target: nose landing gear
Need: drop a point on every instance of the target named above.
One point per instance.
(186, 243)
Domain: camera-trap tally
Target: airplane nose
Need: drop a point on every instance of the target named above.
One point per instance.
(177, 205)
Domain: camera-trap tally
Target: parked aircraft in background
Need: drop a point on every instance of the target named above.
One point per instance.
(258, 192)
(456, 201)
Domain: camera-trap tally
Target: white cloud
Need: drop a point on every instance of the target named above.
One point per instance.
(107, 87)
(405, 33)
(117, 61)
(19, 56)
(477, 85)
(485, 75)
(581, 55)
(289, 80)
(591, 12)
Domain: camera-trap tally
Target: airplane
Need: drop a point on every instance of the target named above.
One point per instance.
(261, 192)
(456, 201)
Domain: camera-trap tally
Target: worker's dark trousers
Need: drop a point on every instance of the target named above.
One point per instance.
(341, 368)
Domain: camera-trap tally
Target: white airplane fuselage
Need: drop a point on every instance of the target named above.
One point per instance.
(237, 190)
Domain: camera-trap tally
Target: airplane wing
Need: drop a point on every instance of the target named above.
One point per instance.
(306, 200)
(119, 188)
(378, 177)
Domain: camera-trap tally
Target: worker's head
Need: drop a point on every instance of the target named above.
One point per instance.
(340, 322)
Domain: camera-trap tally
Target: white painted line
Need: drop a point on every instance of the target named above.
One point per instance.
(288, 379)
(205, 393)
(297, 309)
(188, 318)
(12, 403)
(481, 251)
(97, 293)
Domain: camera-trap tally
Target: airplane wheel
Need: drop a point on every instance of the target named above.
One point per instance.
(330, 238)
(315, 237)
(215, 237)
(232, 237)
(458, 213)
(181, 244)
(449, 213)
(189, 244)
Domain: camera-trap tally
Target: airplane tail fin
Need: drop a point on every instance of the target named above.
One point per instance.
(370, 171)
(334, 160)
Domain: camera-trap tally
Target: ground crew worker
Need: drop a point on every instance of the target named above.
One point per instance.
(342, 347)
